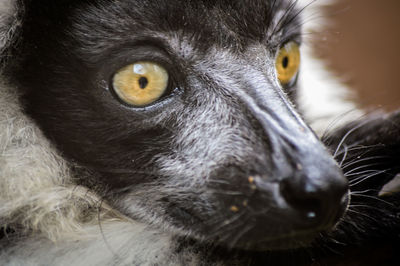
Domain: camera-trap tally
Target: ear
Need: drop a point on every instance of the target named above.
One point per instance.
(369, 152)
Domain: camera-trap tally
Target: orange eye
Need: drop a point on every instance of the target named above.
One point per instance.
(141, 83)
(288, 62)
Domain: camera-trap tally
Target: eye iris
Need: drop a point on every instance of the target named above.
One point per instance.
(288, 62)
(140, 84)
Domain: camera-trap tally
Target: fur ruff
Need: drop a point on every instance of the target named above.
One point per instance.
(37, 191)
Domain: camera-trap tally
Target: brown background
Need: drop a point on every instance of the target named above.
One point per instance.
(362, 45)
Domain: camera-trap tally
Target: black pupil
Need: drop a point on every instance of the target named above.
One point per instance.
(143, 82)
(285, 62)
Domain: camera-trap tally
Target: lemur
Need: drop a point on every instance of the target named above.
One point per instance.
(185, 132)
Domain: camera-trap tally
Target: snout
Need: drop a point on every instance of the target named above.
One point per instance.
(288, 212)
(282, 214)
(296, 191)
(307, 202)
(311, 186)
(291, 212)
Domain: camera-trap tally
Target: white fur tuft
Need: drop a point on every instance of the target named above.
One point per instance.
(36, 190)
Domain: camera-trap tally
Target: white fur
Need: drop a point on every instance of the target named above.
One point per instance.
(34, 181)
(122, 243)
(325, 102)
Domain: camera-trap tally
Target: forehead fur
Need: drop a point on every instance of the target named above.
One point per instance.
(221, 21)
(259, 19)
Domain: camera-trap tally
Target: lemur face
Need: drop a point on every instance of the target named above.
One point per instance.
(183, 115)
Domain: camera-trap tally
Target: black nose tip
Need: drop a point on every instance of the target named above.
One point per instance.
(322, 201)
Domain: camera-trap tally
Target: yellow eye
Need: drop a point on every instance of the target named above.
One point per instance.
(288, 62)
(141, 83)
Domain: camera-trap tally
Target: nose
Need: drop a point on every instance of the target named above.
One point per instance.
(298, 176)
(310, 182)
(321, 201)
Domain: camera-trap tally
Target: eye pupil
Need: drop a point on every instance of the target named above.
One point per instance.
(143, 82)
(285, 62)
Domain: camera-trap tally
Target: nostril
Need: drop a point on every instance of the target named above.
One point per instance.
(300, 197)
(322, 204)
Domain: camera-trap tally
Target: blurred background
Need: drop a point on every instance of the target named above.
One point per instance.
(362, 46)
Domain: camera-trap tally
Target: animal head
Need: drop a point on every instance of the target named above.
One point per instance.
(184, 114)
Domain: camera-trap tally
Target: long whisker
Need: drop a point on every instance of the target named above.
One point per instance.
(344, 156)
(355, 147)
(362, 214)
(296, 15)
(236, 239)
(348, 134)
(288, 10)
(357, 161)
(326, 135)
(354, 170)
(365, 178)
(375, 198)
(363, 191)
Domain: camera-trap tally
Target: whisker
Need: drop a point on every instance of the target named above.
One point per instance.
(362, 214)
(270, 13)
(358, 206)
(227, 192)
(362, 167)
(326, 135)
(357, 173)
(363, 191)
(236, 239)
(217, 230)
(289, 9)
(344, 156)
(375, 198)
(348, 134)
(355, 147)
(356, 161)
(296, 14)
(360, 174)
(227, 235)
(366, 178)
